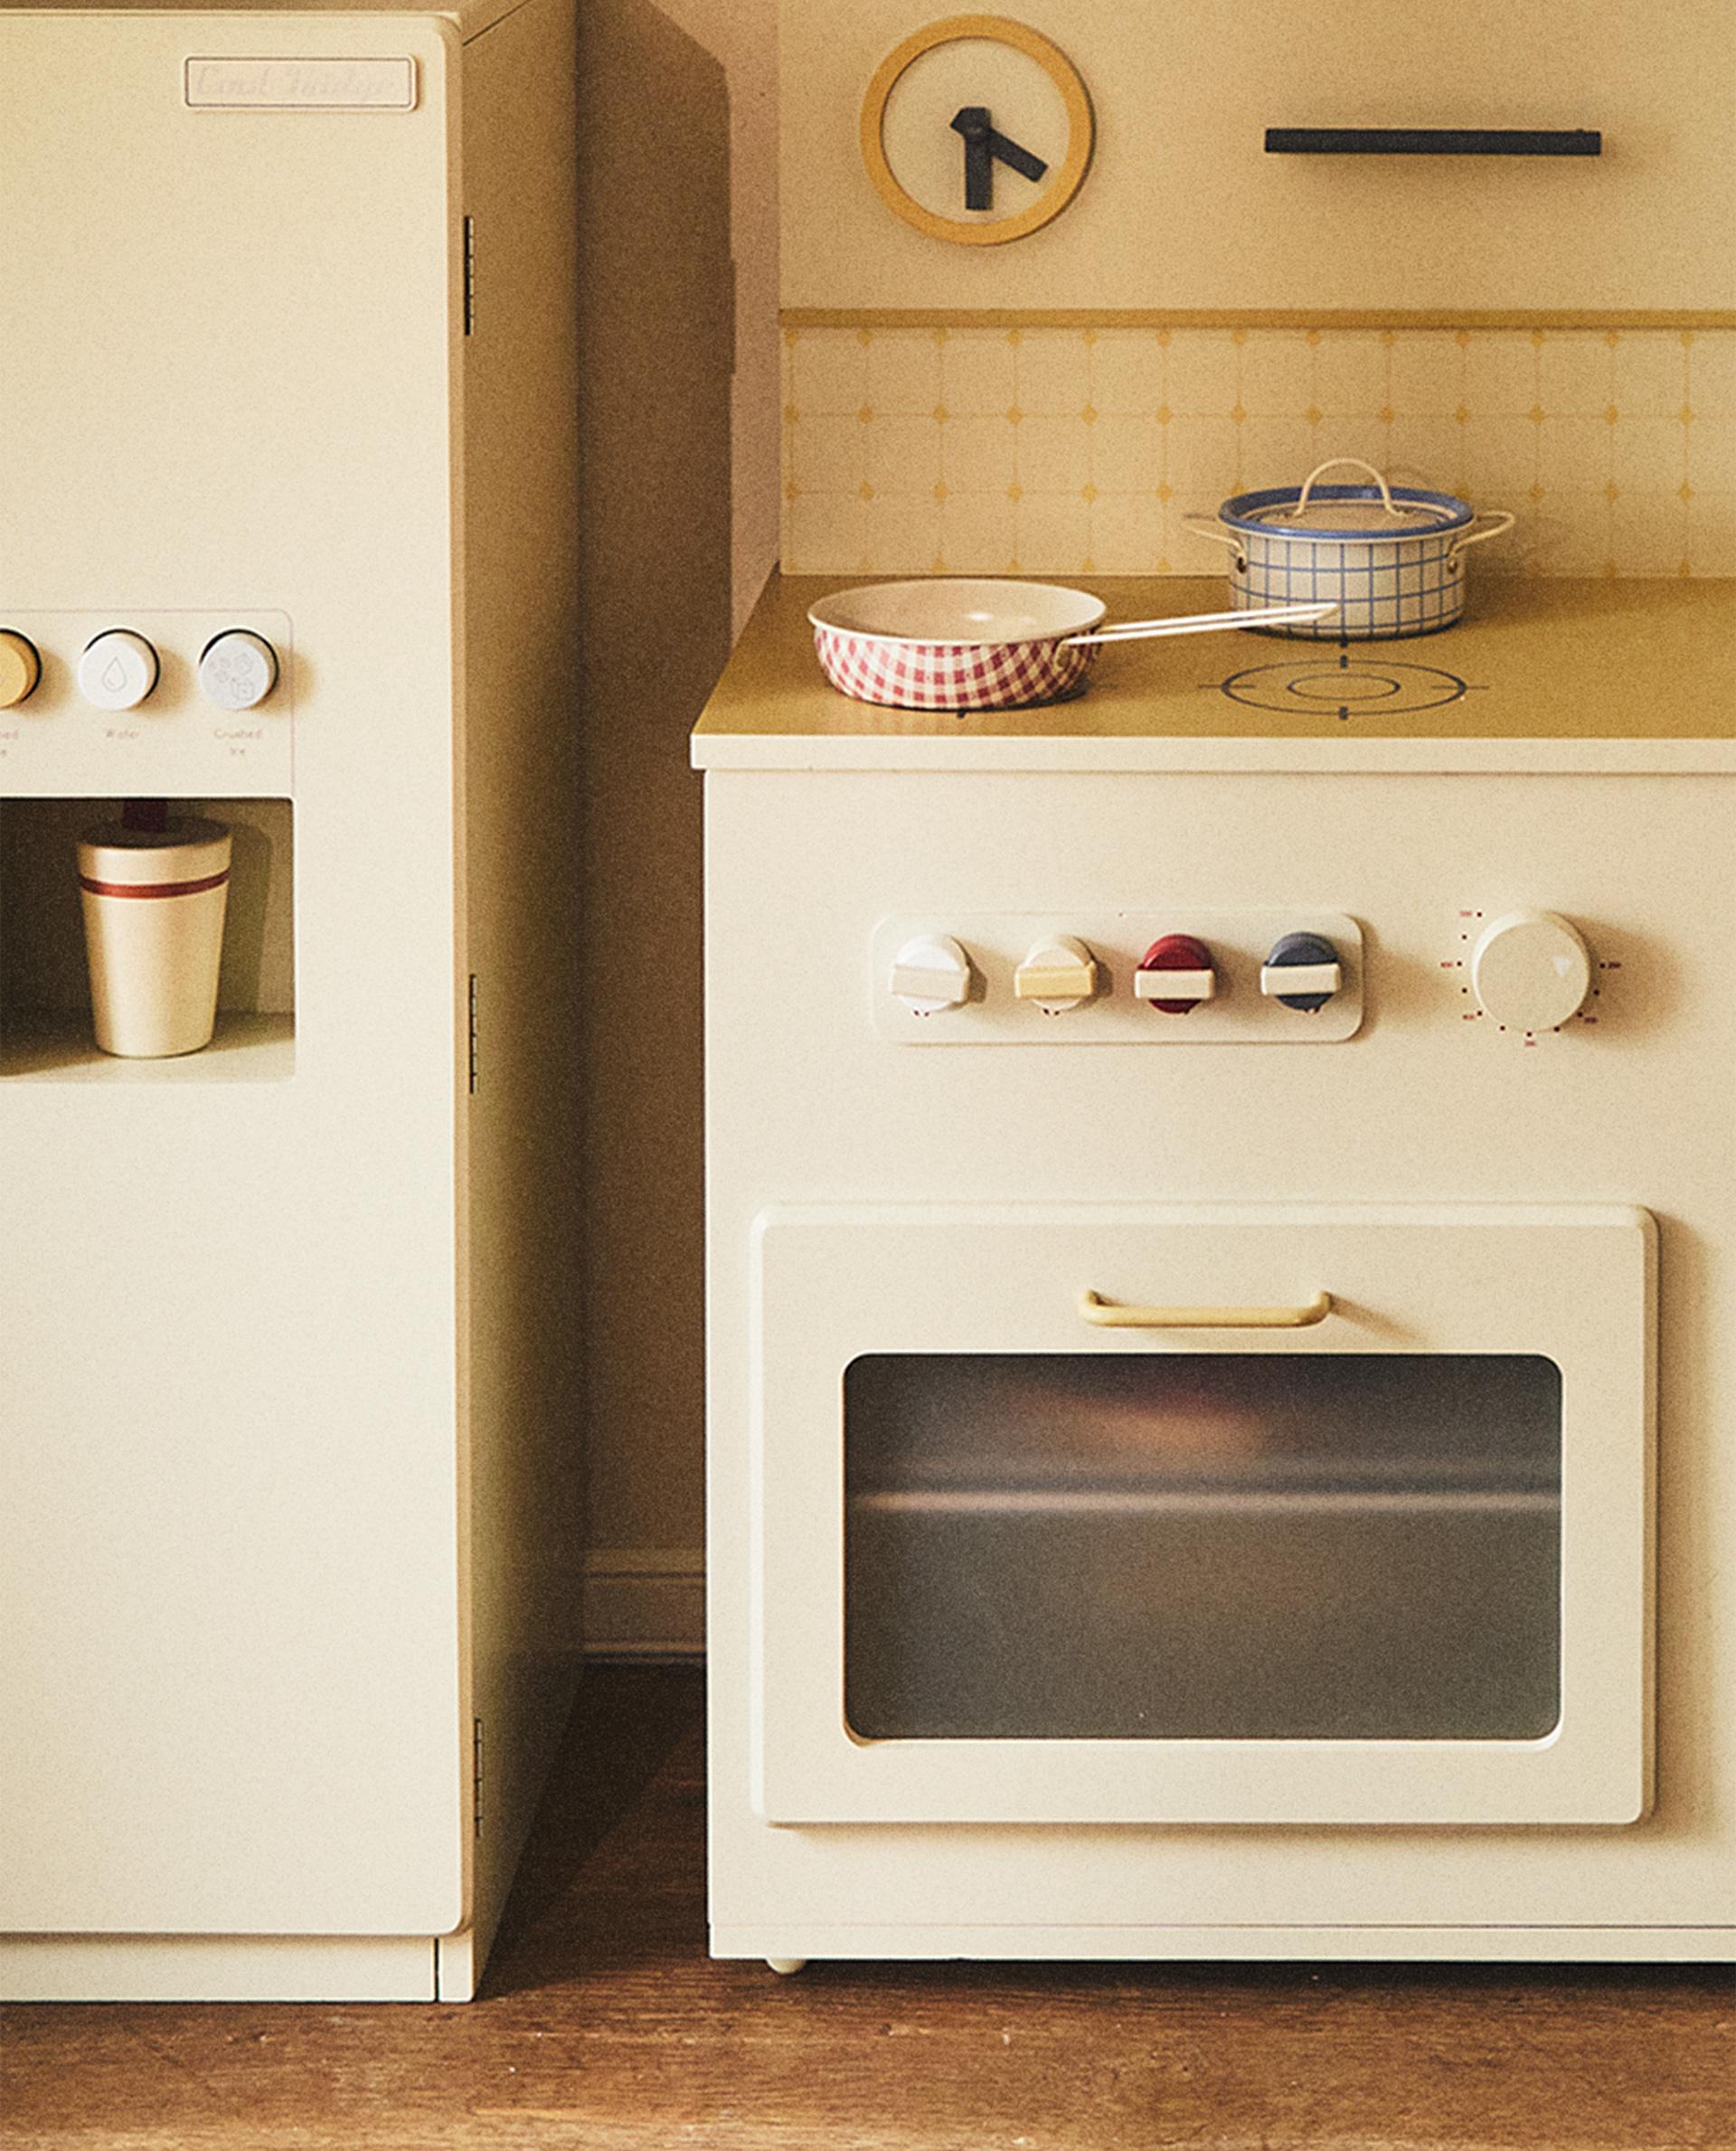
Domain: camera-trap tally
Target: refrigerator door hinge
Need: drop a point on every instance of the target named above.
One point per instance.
(475, 1774)
(473, 1033)
(469, 275)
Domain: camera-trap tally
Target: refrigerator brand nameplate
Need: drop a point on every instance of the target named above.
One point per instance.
(357, 85)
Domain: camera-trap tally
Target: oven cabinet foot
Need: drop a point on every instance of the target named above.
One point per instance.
(1324, 1945)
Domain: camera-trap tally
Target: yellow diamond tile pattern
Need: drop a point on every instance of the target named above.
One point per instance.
(1066, 450)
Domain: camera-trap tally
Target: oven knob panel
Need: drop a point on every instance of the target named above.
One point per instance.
(1078, 974)
(1302, 971)
(1058, 973)
(1531, 971)
(1174, 975)
(930, 973)
(117, 670)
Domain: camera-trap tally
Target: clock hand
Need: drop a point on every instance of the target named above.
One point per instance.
(1010, 153)
(983, 144)
(971, 121)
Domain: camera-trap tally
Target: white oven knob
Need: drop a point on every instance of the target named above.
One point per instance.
(118, 671)
(1060, 973)
(238, 670)
(1530, 970)
(929, 974)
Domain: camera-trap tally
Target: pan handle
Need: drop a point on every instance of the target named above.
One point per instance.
(1497, 519)
(1209, 526)
(1198, 623)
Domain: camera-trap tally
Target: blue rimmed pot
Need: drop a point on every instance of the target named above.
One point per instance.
(1392, 557)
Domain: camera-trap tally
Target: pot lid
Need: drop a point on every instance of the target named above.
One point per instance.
(1346, 511)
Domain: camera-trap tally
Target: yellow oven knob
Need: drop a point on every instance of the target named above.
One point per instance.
(20, 669)
(1531, 970)
(1058, 974)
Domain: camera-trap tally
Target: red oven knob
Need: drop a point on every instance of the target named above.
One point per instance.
(1175, 974)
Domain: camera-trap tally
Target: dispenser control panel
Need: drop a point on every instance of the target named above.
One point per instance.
(136, 701)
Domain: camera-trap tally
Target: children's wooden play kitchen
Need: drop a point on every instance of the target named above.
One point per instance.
(1222, 1314)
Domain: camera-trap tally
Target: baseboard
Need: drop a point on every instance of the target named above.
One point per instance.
(645, 1603)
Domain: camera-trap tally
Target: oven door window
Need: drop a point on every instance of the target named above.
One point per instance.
(1203, 1546)
(1009, 1563)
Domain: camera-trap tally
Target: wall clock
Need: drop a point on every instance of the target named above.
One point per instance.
(976, 129)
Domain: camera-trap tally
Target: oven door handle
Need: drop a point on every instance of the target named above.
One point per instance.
(1105, 1314)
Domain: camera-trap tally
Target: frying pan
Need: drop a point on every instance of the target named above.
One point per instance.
(958, 643)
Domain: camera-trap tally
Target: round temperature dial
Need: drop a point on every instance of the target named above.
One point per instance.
(1531, 970)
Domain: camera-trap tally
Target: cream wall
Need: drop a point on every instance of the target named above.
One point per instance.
(1184, 208)
(677, 154)
(742, 37)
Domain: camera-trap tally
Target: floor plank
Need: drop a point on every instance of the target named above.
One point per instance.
(603, 2026)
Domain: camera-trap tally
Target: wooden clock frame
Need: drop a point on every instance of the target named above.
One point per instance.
(1055, 64)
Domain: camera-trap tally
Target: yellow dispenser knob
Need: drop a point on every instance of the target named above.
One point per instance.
(20, 669)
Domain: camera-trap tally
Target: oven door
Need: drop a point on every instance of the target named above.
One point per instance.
(1203, 1514)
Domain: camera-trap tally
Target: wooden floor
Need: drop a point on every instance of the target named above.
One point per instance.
(603, 2026)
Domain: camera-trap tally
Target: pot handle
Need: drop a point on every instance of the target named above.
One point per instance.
(1338, 463)
(1497, 519)
(1197, 623)
(1209, 526)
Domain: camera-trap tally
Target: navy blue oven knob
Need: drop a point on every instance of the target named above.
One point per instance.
(1302, 971)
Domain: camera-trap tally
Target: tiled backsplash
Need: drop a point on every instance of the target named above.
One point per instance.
(1074, 452)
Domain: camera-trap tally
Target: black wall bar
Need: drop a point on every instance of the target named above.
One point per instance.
(1433, 141)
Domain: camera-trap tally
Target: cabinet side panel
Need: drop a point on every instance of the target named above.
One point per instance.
(520, 915)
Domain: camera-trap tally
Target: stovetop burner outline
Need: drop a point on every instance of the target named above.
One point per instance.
(1354, 685)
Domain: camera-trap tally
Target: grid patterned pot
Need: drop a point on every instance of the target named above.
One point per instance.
(1390, 557)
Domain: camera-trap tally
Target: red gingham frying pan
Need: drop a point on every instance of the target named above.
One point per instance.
(950, 643)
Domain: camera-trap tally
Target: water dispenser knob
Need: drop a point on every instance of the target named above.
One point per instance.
(1302, 971)
(1531, 970)
(118, 671)
(20, 669)
(238, 670)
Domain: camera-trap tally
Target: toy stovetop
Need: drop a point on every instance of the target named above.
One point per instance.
(1540, 674)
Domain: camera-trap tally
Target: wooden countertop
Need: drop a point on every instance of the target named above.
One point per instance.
(1542, 675)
